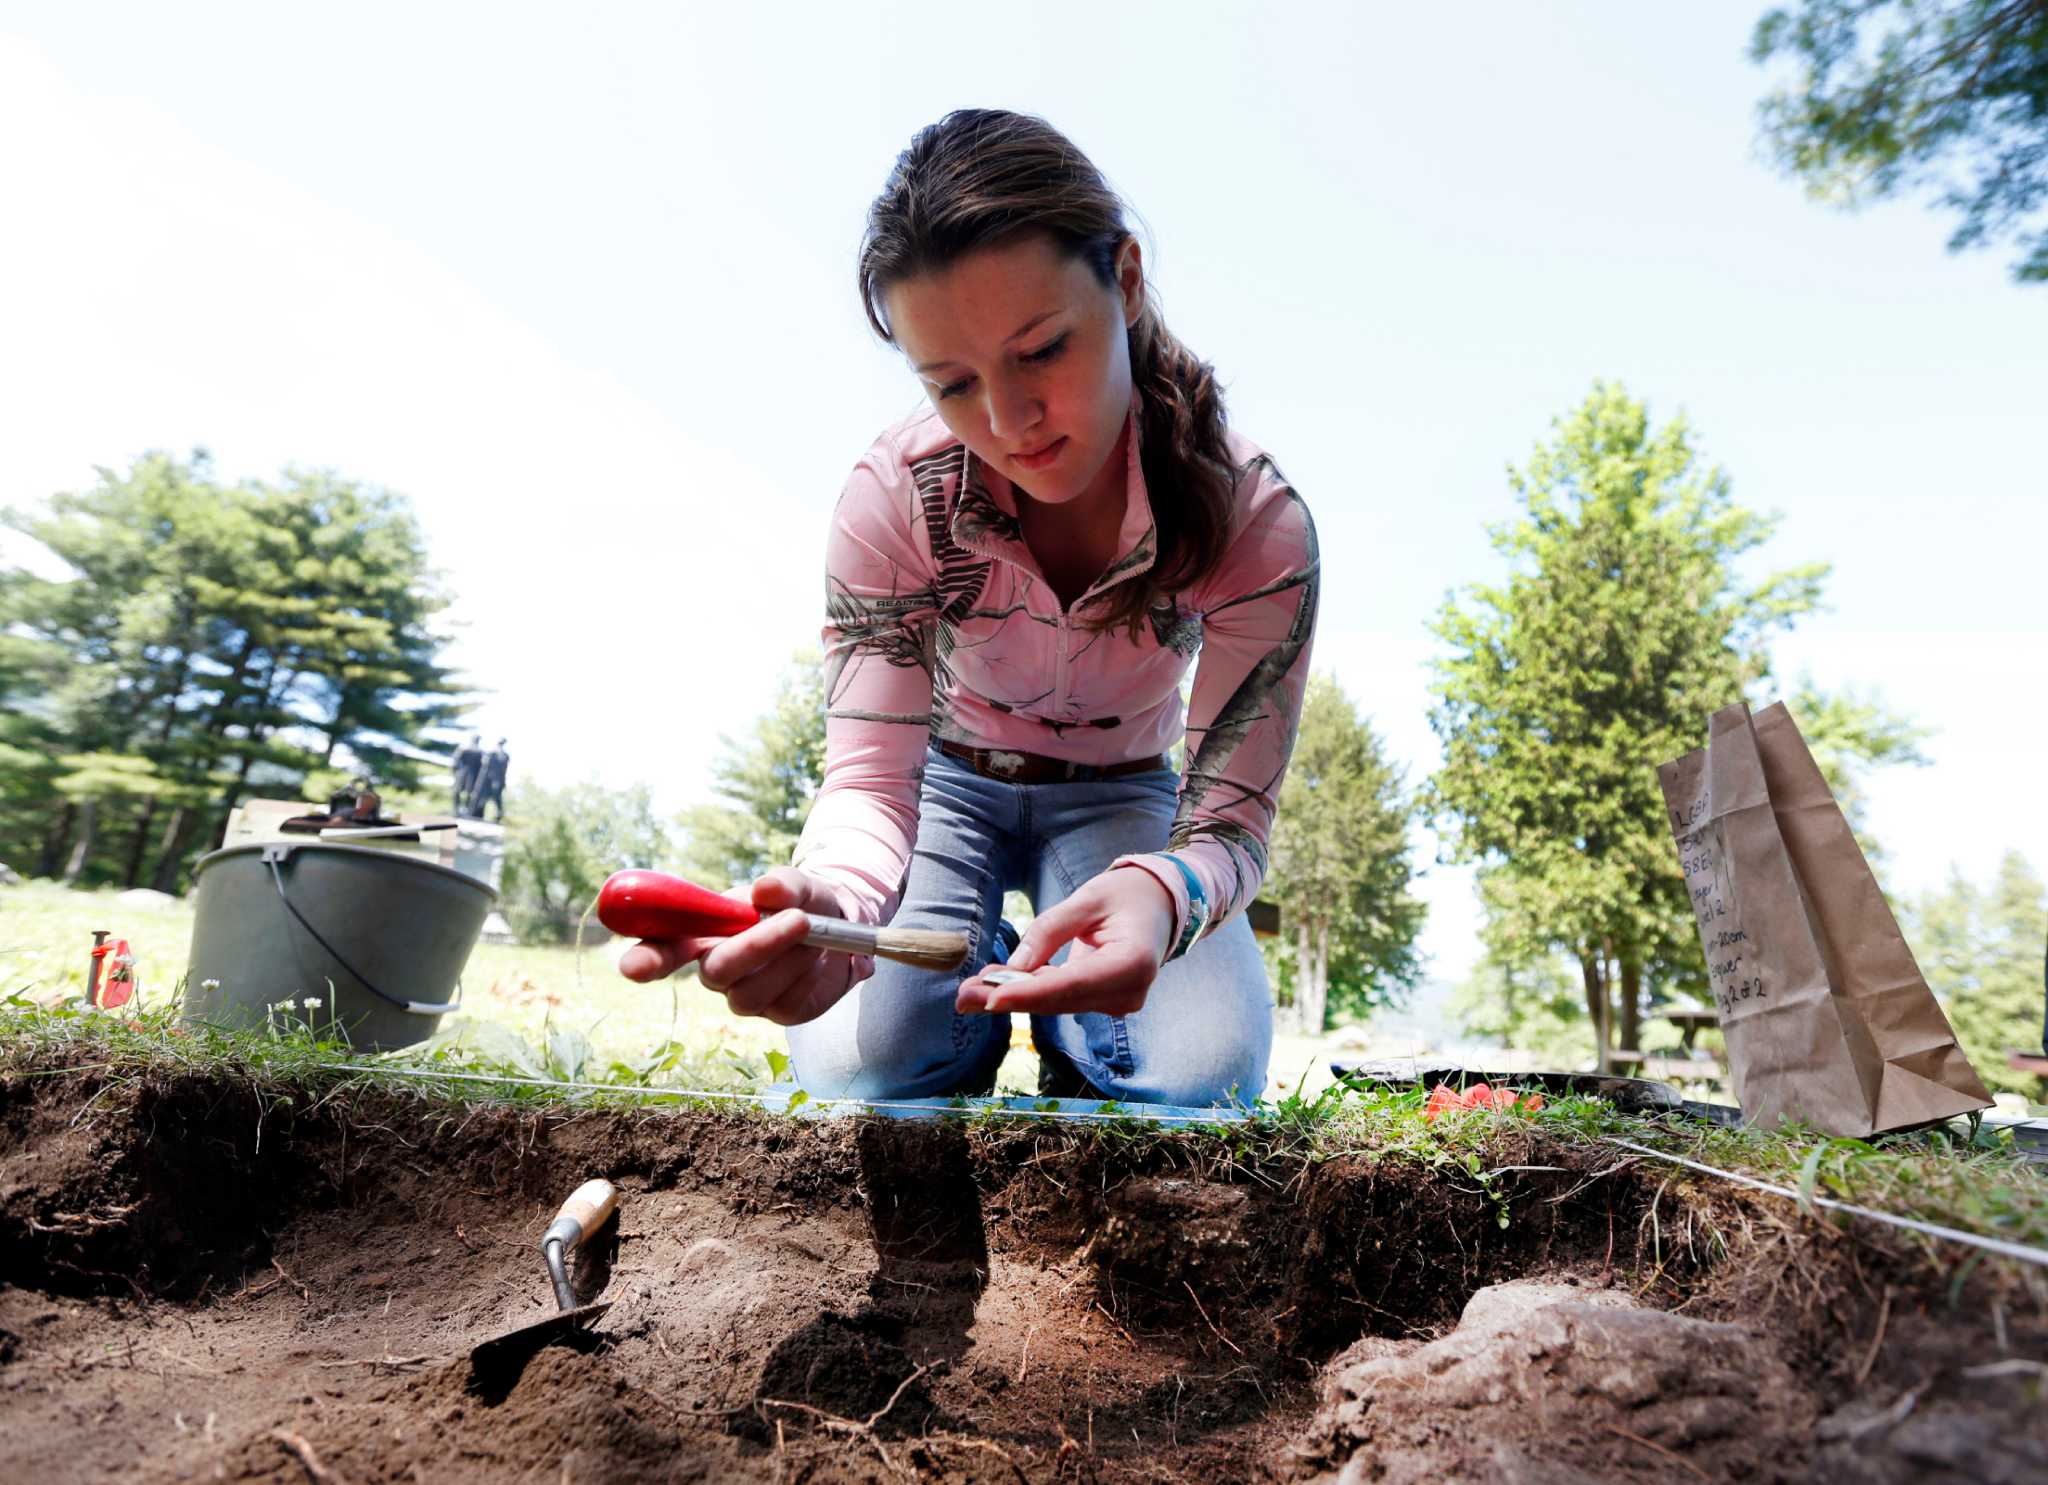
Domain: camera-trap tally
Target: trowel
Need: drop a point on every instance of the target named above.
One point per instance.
(588, 1208)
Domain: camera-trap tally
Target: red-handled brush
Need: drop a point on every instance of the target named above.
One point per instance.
(653, 904)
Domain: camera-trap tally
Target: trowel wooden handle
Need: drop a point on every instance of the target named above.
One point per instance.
(586, 1210)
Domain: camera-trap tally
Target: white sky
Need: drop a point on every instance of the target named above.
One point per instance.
(580, 284)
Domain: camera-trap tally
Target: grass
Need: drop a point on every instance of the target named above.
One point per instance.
(537, 1014)
(523, 1005)
(1959, 1175)
(512, 994)
(1956, 1176)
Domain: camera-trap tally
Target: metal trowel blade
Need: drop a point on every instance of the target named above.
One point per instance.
(529, 1338)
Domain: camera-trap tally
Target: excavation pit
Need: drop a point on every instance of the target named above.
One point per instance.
(202, 1281)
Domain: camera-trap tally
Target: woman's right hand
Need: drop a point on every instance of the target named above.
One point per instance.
(767, 970)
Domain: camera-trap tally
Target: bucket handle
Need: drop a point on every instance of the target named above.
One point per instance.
(280, 851)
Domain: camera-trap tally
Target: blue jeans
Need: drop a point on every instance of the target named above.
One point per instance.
(1202, 1038)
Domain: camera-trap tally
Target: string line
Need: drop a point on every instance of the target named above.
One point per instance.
(2000, 1246)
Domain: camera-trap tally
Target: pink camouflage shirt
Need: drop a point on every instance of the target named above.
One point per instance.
(940, 625)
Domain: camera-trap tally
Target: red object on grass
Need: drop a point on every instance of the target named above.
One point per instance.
(1443, 1099)
(653, 904)
(113, 981)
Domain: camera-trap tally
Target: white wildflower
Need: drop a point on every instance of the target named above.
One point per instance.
(209, 984)
(313, 1002)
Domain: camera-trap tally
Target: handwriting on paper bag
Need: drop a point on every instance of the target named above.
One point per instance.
(1730, 975)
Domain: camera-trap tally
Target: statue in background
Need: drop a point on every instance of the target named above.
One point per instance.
(468, 768)
(490, 787)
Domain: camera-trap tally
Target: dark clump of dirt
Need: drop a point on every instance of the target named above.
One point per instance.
(566, 1400)
(1160, 1235)
(1391, 1249)
(200, 1281)
(851, 1367)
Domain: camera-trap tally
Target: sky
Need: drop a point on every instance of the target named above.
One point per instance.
(581, 285)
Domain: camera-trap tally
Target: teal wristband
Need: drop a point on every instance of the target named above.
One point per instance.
(1198, 909)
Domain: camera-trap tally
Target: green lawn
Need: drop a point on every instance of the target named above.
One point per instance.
(46, 930)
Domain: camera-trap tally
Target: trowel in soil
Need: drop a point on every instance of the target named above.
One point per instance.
(588, 1208)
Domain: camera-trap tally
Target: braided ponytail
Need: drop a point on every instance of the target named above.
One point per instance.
(1186, 462)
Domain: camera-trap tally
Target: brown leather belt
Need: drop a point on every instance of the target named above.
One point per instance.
(1033, 768)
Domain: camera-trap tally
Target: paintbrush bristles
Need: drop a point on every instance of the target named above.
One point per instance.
(923, 947)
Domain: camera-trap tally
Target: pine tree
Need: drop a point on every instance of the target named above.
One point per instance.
(1340, 869)
(211, 641)
(1982, 951)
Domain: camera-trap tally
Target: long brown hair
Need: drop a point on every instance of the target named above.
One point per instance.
(981, 177)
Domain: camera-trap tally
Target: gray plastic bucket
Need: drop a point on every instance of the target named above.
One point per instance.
(378, 938)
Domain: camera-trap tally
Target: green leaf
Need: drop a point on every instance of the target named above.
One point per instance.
(796, 1101)
(664, 1058)
(486, 1044)
(1809, 1178)
(567, 1052)
(778, 1065)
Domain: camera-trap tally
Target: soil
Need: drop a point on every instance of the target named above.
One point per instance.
(201, 1282)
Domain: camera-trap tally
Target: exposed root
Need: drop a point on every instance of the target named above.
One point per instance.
(1651, 1444)
(71, 1224)
(297, 1446)
(848, 1427)
(1884, 1313)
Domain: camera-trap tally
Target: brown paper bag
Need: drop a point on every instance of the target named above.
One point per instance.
(1824, 1010)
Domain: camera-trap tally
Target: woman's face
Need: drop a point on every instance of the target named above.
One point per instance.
(1024, 353)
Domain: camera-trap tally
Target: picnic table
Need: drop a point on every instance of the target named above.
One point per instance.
(1689, 1064)
(1689, 1017)
(1694, 1067)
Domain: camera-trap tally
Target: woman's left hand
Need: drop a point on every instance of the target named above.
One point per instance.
(1120, 924)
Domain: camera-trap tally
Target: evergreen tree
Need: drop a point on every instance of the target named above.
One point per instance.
(1982, 950)
(1622, 625)
(1340, 868)
(211, 640)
